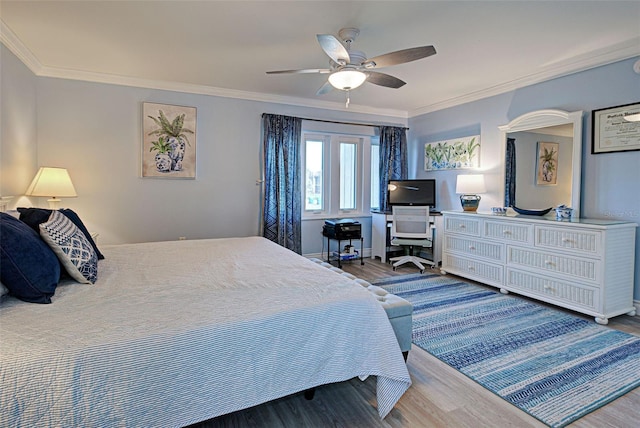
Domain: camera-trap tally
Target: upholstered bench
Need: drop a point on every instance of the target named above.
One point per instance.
(398, 309)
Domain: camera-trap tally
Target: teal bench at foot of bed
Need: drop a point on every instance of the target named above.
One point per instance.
(398, 309)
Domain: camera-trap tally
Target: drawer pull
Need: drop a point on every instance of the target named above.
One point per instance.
(471, 247)
(462, 226)
(470, 268)
(566, 240)
(548, 263)
(547, 287)
(506, 232)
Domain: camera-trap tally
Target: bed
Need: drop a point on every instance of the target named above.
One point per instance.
(172, 333)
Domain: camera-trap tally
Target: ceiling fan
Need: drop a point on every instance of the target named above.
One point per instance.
(350, 68)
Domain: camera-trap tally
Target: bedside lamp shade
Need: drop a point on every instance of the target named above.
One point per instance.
(52, 182)
(468, 187)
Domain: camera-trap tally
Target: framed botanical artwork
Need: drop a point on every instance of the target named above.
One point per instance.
(616, 129)
(461, 153)
(547, 164)
(168, 141)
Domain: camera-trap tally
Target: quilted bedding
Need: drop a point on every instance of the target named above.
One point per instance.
(178, 332)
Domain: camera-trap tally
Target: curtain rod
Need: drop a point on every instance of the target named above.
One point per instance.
(346, 123)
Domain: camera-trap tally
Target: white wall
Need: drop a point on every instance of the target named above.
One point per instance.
(610, 182)
(18, 135)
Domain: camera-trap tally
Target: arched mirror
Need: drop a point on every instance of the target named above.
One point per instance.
(543, 154)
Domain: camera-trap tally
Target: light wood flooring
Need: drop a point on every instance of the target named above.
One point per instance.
(439, 396)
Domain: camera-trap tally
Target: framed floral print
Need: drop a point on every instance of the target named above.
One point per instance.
(547, 164)
(168, 141)
(462, 153)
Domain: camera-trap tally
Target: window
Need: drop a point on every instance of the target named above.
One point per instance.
(314, 159)
(375, 175)
(348, 164)
(337, 172)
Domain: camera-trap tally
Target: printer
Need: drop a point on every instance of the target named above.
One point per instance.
(341, 229)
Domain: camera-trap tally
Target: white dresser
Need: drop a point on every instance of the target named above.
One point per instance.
(585, 265)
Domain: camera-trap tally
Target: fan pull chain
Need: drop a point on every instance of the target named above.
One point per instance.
(346, 105)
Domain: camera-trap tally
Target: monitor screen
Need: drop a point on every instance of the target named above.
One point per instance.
(412, 192)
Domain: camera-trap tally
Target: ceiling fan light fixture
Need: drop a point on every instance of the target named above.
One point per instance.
(346, 80)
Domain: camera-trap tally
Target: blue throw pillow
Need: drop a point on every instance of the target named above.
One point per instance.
(35, 216)
(28, 267)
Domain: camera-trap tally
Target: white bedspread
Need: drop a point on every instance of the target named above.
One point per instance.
(177, 332)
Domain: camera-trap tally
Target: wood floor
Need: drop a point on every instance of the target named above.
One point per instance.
(439, 396)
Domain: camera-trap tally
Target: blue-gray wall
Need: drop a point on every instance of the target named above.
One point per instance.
(610, 182)
(94, 130)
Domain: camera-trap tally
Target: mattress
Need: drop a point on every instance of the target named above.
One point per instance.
(178, 332)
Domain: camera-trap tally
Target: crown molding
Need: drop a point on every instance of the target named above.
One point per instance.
(621, 51)
(11, 41)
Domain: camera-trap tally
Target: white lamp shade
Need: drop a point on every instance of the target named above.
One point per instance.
(52, 182)
(347, 79)
(470, 184)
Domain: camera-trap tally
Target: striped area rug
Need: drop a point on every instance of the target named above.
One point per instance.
(555, 366)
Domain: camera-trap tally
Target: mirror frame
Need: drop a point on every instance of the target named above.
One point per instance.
(542, 119)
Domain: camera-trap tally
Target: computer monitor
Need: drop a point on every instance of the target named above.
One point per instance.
(412, 192)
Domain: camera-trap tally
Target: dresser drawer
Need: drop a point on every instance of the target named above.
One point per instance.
(578, 268)
(465, 225)
(584, 242)
(553, 289)
(474, 269)
(493, 251)
(508, 231)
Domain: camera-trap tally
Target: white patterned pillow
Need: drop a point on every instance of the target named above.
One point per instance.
(71, 246)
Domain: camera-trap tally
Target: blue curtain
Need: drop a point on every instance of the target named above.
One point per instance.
(393, 159)
(510, 173)
(282, 201)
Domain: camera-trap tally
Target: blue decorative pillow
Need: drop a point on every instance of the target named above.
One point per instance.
(71, 246)
(35, 216)
(28, 267)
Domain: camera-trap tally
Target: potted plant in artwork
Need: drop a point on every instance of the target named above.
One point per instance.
(548, 164)
(172, 140)
(163, 160)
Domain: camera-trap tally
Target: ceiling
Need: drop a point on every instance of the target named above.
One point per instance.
(225, 47)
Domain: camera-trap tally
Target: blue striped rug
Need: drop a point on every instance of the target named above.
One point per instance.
(555, 366)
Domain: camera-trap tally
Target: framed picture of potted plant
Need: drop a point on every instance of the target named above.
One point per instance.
(168, 141)
(461, 153)
(547, 164)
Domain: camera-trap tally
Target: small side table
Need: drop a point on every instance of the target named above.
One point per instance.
(329, 238)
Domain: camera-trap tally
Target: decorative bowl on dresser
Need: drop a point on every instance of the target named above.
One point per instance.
(585, 265)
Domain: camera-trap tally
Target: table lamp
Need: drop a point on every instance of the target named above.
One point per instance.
(468, 187)
(52, 182)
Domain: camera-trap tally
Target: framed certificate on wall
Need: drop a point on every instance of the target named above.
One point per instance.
(616, 129)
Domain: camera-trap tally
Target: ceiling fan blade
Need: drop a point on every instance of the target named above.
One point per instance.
(333, 48)
(400, 57)
(305, 71)
(325, 89)
(385, 80)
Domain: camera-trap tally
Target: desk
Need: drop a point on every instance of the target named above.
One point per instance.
(381, 231)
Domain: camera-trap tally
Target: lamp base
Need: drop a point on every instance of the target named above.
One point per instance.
(470, 202)
(54, 203)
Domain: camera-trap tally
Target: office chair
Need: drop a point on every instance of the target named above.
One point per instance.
(410, 229)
